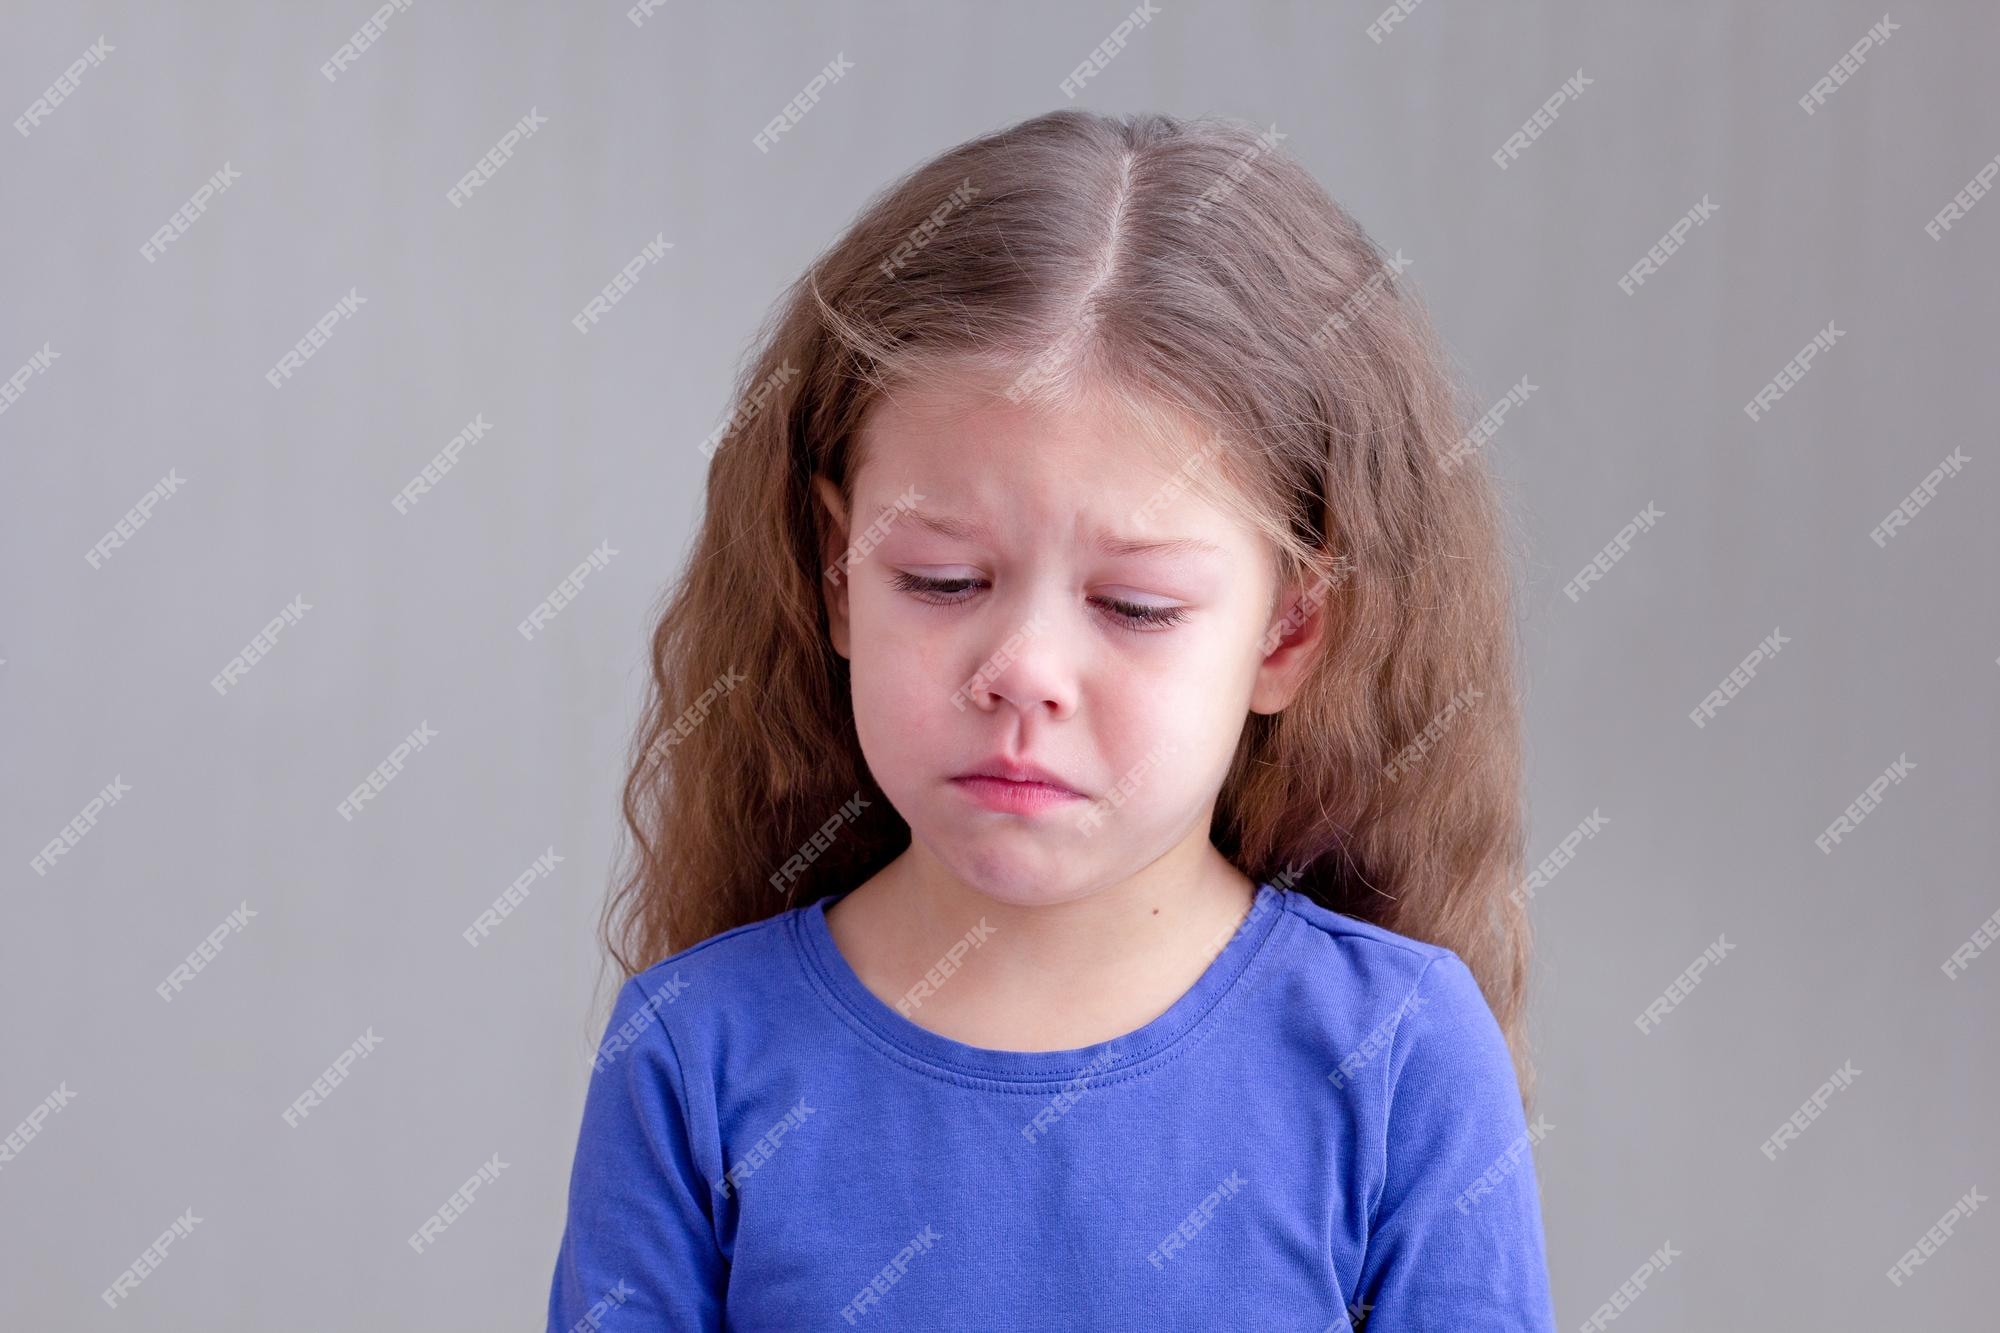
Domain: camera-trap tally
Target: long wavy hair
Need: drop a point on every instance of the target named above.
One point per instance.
(1195, 270)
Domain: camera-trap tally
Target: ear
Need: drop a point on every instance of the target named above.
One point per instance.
(1291, 644)
(834, 564)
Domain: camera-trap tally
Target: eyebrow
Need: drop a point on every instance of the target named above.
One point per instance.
(1109, 543)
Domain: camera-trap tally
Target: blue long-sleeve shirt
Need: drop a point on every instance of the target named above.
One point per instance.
(1323, 1133)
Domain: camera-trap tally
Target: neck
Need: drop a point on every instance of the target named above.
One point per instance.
(1047, 975)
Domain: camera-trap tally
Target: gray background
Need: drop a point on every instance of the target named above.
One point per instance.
(1654, 1138)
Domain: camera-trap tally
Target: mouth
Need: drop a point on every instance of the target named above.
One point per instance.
(1025, 793)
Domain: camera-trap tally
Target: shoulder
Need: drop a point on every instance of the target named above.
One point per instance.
(721, 963)
(1386, 996)
(701, 984)
(1352, 933)
(1371, 964)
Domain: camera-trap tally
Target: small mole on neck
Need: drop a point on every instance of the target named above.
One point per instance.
(1156, 911)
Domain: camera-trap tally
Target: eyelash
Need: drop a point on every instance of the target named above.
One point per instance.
(1130, 615)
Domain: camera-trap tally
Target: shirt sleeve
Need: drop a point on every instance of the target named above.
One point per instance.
(1456, 1241)
(638, 1246)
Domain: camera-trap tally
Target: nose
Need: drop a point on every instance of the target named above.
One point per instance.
(1029, 663)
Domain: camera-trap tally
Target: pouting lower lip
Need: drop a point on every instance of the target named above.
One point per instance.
(1017, 795)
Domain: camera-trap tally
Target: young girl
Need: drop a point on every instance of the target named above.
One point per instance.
(1077, 813)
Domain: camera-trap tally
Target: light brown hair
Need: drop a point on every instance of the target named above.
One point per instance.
(1192, 268)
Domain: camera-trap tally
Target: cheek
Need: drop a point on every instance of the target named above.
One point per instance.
(882, 724)
(901, 700)
(898, 659)
(1188, 696)
(906, 654)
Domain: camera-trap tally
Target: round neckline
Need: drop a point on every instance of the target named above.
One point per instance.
(1123, 1055)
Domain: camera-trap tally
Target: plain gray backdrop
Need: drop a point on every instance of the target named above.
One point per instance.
(153, 382)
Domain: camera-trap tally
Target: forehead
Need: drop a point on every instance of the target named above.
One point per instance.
(968, 465)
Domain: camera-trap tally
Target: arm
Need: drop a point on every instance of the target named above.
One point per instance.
(1456, 1241)
(639, 1239)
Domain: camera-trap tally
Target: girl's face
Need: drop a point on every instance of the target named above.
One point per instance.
(1042, 591)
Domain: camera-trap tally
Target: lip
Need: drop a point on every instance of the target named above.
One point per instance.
(1008, 770)
(1020, 788)
(1014, 797)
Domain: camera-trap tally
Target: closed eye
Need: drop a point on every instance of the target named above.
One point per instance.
(952, 592)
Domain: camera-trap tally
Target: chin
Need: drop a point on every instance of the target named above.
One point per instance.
(1017, 875)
